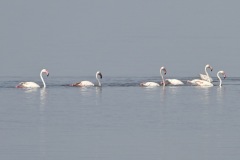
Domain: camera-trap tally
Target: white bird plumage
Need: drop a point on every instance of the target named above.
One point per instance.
(224, 76)
(154, 84)
(204, 83)
(174, 82)
(206, 76)
(88, 83)
(199, 82)
(33, 84)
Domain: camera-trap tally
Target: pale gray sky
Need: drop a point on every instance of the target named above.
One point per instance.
(120, 38)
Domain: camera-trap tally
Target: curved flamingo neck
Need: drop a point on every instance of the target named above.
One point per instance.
(209, 79)
(207, 73)
(220, 80)
(44, 85)
(162, 77)
(99, 83)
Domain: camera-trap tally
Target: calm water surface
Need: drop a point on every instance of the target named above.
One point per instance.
(119, 121)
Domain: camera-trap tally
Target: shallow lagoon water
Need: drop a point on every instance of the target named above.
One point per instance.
(119, 120)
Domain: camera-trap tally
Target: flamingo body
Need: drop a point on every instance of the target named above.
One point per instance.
(199, 82)
(27, 85)
(154, 84)
(204, 83)
(193, 82)
(33, 84)
(206, 78)
(149, 84)
(83, 84)
(88, 83)
(173, 82)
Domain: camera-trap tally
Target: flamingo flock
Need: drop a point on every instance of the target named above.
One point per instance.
(204, 80)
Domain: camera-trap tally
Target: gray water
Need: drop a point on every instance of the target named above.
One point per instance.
(120, 120)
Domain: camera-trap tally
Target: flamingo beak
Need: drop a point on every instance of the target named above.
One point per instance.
(225, 76)
(165, 71)
(100, 75)
(47, 73)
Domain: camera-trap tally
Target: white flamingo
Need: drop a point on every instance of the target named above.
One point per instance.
(88, 83)
(154, 84)
(199, 82)
(174, 82)
(224, 76)
(33, 84)
(206, 76)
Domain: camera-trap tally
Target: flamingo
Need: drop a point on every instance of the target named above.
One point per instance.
(88, 83)
(174, 82)
(199, 82)
(206, 77)
(154, 84)
(224, 76)
(33, 84)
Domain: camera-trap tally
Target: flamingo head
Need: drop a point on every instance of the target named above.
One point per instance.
(163, 69)
(210, 67)
(99, 74)
(223, 73)
(45, 71)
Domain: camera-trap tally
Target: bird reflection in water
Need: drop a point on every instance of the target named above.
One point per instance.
(43, 94)
(42, 124)
(162, 95)
(205, 95)
(220, 91)
(30, 90)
